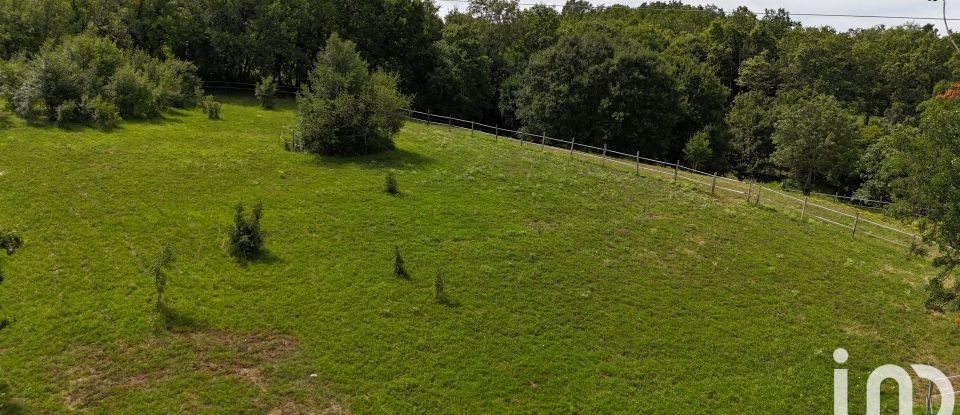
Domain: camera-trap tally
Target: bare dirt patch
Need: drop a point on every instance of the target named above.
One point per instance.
(92, 374)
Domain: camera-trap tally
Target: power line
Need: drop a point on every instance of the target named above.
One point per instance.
(838, 15)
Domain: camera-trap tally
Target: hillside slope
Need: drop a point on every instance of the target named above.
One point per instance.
(576, 288)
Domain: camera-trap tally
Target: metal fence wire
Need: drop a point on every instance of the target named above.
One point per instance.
(796, 204)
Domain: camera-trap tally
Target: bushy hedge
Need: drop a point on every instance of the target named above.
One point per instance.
(89, 79)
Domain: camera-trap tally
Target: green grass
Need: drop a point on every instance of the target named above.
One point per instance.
(575, 288)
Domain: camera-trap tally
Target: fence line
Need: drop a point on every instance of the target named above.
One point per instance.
(749, 191)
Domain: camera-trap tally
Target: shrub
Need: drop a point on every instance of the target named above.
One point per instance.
(245, 236)
(101, 112)
(390, 184)
(159, 276)
(438, 294)
(10, 242)
(398, 268)
(68, 113)
(211, 107)
(78, 68)
(265, 91)
(939, 298)
(133, 94)
(347, 110)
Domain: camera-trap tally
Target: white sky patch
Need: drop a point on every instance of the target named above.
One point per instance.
(912, 8)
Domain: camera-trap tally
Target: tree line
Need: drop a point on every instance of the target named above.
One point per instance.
(728, 92)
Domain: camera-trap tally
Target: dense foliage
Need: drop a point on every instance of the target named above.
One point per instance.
(86, 78)
(346, 109)
(245, 238)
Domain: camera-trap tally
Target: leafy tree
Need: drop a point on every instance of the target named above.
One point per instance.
(589, 88)
(759, 74)
(346, 109)
(751, 122)
(814, 138)
(697, 150)
(461, 83)
(882, 162)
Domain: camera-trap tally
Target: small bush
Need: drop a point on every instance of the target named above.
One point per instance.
(102, 113)
(939, 298)
(211, 107)
(398, 267)
(245, 236)
(265, 91)
(438, 294)
(9, 242)
(159, 277)
(68, 113)
(390, 184)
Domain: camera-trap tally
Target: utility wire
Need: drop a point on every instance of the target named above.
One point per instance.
(947, 25)
(854, 16)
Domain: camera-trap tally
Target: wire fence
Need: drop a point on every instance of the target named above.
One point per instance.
(798, 205)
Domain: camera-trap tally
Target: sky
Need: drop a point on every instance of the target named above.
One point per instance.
(912, 8)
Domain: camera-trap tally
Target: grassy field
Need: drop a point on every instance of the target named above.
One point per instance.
(576, 288)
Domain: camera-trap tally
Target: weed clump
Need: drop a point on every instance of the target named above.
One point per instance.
(439, 296)
(399, 269)
(245, 236)
(390, 184)
(211, 107)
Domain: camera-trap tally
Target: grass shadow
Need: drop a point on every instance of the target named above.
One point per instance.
(174, 320)
(6, 406)
(393, 159)
(265, 257)
(246, 99)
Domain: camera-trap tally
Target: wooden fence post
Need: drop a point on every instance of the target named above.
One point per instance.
(676, 171)
(638, 161)
(856, 221)
(543, 141)
(749, 190)
(604, 154)
(497, 130)
(471, 128)
(572, 142)
(449, 123)
(713, 187)
(803, 211)
(759, 190)
(428, 117)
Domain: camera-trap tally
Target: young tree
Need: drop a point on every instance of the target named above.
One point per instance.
(346, 109)
(265, 91)
(815, 137)
(697, 150)
(156, 271)
(751, 122)
(245, 237)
